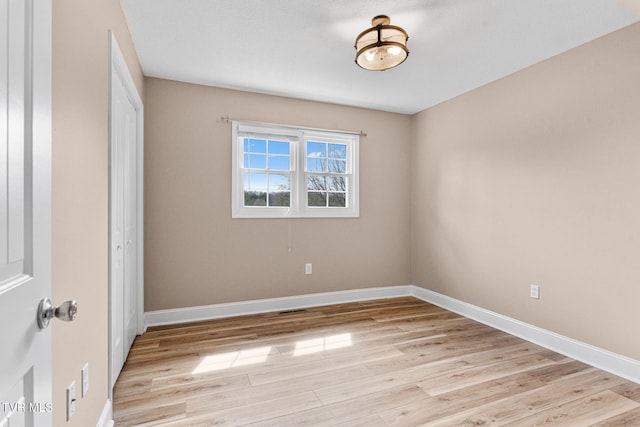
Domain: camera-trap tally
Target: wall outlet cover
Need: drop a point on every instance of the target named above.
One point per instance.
(85, 379)
(534, 291)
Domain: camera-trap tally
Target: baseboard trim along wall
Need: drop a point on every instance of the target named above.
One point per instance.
(217, 311)
(106, 418)
(603, 359)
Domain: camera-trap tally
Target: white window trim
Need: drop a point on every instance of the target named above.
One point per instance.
(298, 196)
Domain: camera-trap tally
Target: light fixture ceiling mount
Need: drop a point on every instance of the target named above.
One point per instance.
(382, 46)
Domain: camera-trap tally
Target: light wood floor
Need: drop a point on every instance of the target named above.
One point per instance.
(398, 362)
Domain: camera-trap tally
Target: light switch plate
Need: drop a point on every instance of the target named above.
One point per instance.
(71, 399)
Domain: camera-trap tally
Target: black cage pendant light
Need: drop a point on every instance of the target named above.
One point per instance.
(382, 46)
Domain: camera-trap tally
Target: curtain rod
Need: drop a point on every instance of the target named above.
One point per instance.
(226, 119)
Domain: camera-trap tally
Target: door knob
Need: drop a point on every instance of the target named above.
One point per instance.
(66, 311)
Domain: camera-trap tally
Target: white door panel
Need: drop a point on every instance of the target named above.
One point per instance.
(25, 210)
(130, 220)
(12, 142)
(125, 201)
(117, 228)
(14, 413)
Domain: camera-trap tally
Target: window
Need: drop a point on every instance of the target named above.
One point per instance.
(281, 171)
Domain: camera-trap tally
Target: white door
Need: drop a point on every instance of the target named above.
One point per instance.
(125, 195)
(25, 211)
(117, 273)
(129, 206)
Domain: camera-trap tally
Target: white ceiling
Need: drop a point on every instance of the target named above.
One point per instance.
(304, 48)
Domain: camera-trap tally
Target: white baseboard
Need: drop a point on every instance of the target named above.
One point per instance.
(216, 311)
(614, 363)
(106, 418)
(603, 359)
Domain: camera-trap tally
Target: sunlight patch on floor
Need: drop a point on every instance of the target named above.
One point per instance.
(233, 359)
(318, 345)
(252, 356)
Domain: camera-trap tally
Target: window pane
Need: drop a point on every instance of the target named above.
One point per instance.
(337, 184)
(279, 182)
(255, 198)
(280, 163)
(256, 146)
(278, 147)
(255, 181)
(279, 198)
(289, 172)
(337, 166)
(256, 161)
(337, 200)
(315, 182)
(316, 149)
(317, 199)
(338, 151)
(316, 165)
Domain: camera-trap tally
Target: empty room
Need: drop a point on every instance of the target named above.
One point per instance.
(339, 213)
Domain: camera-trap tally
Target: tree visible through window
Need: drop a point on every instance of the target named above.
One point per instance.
(288, 172)
(267, 168)
(326, 174)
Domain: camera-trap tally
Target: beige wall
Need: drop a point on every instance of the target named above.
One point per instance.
(80, 199)
(531, 179)
(195, 254)
(534, 179)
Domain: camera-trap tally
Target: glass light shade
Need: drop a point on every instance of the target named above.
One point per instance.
(382, 46)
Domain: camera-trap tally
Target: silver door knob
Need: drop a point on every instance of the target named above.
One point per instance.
(66, 311)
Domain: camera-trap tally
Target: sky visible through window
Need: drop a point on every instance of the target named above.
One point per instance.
(282, 171)
(325, 157)
(268, 173)
(267, 181)
(324, 187)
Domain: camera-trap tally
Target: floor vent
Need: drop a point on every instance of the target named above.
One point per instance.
(300, 310)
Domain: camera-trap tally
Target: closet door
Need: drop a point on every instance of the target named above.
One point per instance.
(130, 214)
(125, 194)
(118, 229)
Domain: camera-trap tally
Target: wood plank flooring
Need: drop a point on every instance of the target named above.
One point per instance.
(393, 362)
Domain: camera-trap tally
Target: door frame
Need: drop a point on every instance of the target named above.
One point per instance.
(118, 65)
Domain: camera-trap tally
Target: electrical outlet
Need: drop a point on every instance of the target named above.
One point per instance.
(308, 268)
(534, 291)
(71, 399)
(85, 379)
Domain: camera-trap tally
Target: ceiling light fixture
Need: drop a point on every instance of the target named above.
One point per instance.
(382, 46)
